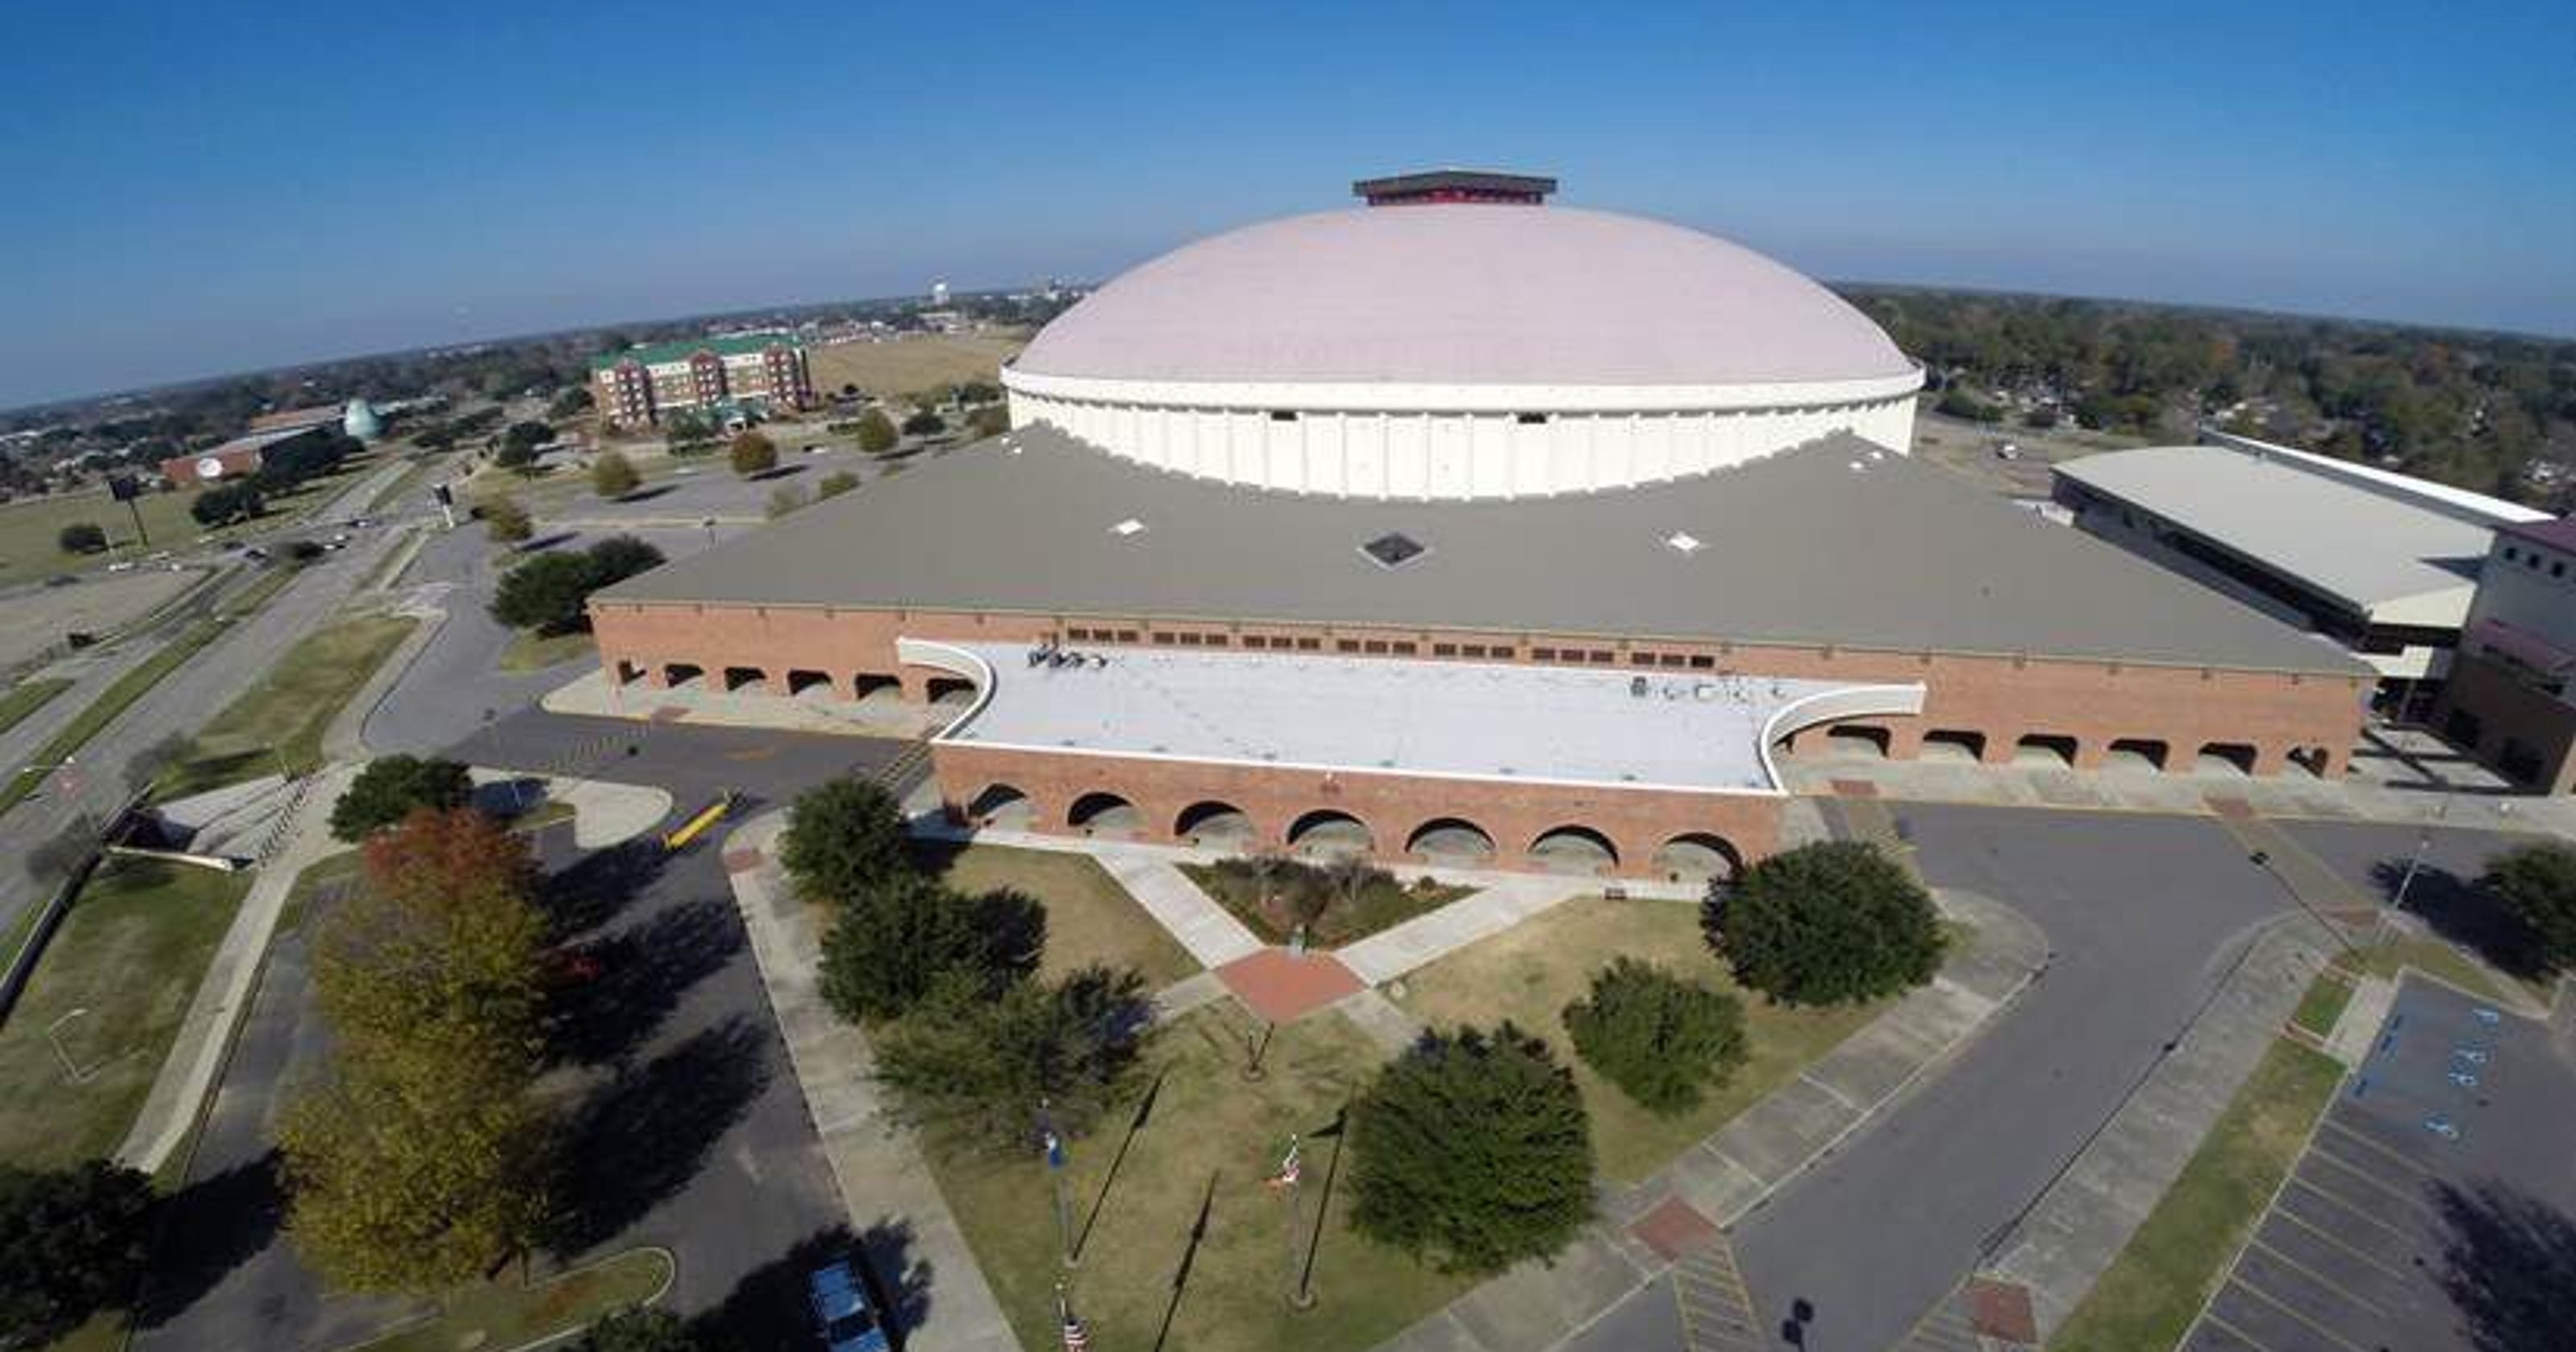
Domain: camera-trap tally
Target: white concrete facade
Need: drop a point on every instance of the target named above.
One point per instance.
(1456, 441)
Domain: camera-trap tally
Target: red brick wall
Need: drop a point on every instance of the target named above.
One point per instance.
(2505, 710)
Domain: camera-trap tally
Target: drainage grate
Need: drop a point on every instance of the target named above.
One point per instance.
(1394, 549)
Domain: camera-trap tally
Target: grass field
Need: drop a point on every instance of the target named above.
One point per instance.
(528, 651)
(1530, 972)
(28, 547)
(1207, 1123)
(2323, 1003)
(109, 994)
(503, 1314)
(2157, 1285)
(281, 719)
(26, 697)
(110, 702)
(1090, 918)
(911, 365)
(1382, 903)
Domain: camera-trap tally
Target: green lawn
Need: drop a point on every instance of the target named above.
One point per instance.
(281, 719)
(2159, 1282)
(26, 697)
(2323, 1003)
(110, 702)
(502, 1314)
(28, 548)
(1381, 904)
(110, 990)
(1531, 972)
(1090, 918)
(529, 651)
(1206, 1122)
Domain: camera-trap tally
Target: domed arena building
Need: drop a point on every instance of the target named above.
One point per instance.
(1461, 527)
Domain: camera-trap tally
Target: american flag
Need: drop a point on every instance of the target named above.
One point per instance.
(1289, 1167)
(1076, 1337)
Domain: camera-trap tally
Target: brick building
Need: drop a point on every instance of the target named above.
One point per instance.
(2508, 700)
(754, 371)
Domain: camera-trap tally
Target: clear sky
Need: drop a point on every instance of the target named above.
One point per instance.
(200, 188)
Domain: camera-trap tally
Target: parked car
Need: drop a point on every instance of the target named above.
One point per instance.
(842, 1315)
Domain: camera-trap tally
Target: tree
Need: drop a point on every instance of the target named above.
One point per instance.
(992, 420)
(686, 428)
(1827, 923)
(620, 557)
(505, 521)
(924, 423)
(1662, 1039)
(72, 1243)
(844, 838)
(752, 454)
(524, 438)
(1471, 1152)
(637, 1328)
(835, 484)
(783, 501)
(898, 939)
(974, 1065)
(81, 537)
(544, 593)
(226, 504)
(613, 476)
(2537, 883)
(391, 788)
(572, 403)
(876, 432)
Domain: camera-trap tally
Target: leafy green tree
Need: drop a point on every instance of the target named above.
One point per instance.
(924, 423)
(844, 838)
(392, 788)
(571, 403)
(1828, 923)
(876, 432)
(505, 521)
(1471, 1152)
(524, 438)
(1660, 1038)
(1958, 403)
(544, 593)
(638, 1328)
(835, 484)
(226, 504)
(973, 1065)
(992, 420)
(613, 476)
(752, 454)
(2537, 883)
(783, 501)
(897, 940)
(81, 537)
(686, 428)
(72, 1243)
(620, 557)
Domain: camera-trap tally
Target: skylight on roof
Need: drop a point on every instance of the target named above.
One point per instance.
(1394, 549)
(1128, 527)
(1683, 541)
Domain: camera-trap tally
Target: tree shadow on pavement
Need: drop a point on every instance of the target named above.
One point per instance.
(767, 1308)
(587, 893)
(2461, 911)
(215, 1225)
(2509, 1266)
(641, 1137)
(637, 976)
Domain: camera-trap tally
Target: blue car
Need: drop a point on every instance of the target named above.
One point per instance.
(841, 1310)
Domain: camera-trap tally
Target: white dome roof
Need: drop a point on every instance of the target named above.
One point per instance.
(1465, 295)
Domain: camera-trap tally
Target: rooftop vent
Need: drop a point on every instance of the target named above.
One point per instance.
(1683, 541)
(1394, 549)
(1128, 527)
(1454, 185)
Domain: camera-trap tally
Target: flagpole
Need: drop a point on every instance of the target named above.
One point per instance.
(1305, 1297)
(1054, 1146)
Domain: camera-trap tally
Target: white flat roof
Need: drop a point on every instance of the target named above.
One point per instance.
(1487, 721)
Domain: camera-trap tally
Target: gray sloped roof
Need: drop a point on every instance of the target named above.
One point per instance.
(1800, 547)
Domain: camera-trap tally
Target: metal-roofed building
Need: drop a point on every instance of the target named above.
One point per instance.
(2380, 563)
(636, 387)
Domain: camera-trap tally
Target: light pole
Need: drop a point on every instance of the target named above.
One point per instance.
(710, 524)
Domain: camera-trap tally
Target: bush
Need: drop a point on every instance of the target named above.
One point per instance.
(783, 501)
(1660, 1038)
(974, 1067)
(1958, 403)
(992, 420)
(924, 423)
(81, 537)
(843, 839)
(752, 454)
(227, 504)
(72, 1242)
(548, 593)
(835, 484)
(505, 521)
(876, 432)
(1471, 1152)
(1828, 923)
(896, 941)
(637, 1328)
(613, 476)
(392, 788)
(2537, 883)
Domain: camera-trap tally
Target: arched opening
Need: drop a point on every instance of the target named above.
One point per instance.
(1954, 745)
(744, 678)
(953, 691)
(1697, 856)
(678, 674)
(1451, 840)
(1858, 740)
(628, 673)
(2311, 759)
(1572, 849)
(2045, 749)
(802, 680)
(1214, 823)
(878, 689)
(1326, 833)
(2224, 758)
(2136, 753)
(1104, 814)
(1003, 806)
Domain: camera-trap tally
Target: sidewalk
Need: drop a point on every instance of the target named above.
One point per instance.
(882, 1178)
(1536, 1306)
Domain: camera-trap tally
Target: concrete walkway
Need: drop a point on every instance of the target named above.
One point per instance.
(1536, 1306)
(1490, 910)
(591, 694)
(1208, 931)
(882, 1178)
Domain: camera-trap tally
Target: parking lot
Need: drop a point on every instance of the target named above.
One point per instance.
(2435, 1207)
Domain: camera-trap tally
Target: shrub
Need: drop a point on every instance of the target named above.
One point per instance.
(505, 521)
(924, 423)
(72, 1242)
(392, 788)
(783, 501)
(992, 420)
(752, 454)
(835, 484)
(844, 838)
(901, 937)
(1827, 923)
(2537, 883)
(613, 476)
(974, 1067)
(1471, 1152)
(226, 504)
(637, 1328)
(1660, 1038)
(876, 432)
(81, 537)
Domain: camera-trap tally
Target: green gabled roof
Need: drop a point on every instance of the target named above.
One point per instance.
(732, 345)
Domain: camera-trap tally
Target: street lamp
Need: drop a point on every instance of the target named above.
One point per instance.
(710, 524)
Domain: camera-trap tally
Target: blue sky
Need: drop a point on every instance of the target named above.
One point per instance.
(196, 189)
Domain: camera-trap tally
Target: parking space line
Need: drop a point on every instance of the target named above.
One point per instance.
(2238, 1281)
(2336, 1241)
(2378, 1147)
(2330, 1285)
(2342, 1205)
(2234, 1332)
(2376, 1184)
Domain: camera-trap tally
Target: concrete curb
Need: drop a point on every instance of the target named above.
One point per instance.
(345, 738)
